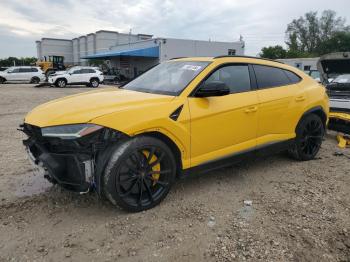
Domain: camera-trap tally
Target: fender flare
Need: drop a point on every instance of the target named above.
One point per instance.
(318, 110)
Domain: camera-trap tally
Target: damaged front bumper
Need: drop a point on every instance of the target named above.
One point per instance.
(339, 116)
(75, 164)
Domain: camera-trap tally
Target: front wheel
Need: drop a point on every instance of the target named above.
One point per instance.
(35, 80)
(61, 83)
(139, 174)
(2, 80)
(309, 136)
(94, 83)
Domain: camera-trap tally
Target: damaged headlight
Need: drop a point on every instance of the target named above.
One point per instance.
(70, 131)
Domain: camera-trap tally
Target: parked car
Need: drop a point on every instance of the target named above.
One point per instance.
(22, 74)
(182, 116)
(315, 74)
(77, 75)
(335, 74)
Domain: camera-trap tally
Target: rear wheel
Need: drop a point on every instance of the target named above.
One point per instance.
(139, 174)
(309, 135)
(35, 80)
(61, 83)
(94, 83)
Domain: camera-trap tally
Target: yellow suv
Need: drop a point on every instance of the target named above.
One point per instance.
(184, 115)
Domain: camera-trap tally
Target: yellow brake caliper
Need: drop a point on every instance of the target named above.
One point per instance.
(155, 177)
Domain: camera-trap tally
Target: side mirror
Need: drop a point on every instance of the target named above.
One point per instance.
(9, 72)
(214, 88)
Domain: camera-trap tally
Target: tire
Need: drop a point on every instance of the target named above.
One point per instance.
(35, 80)
(309, 136)
(61, 83)
(139, 174)
(2, 80)
(116, 81)
(94, 83)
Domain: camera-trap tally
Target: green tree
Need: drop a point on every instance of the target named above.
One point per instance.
(273, 52)
(307, 34)
(10, 61)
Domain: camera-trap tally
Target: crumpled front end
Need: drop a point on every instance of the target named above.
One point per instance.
(76, 163)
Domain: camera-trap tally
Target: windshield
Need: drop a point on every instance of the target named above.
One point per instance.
(342, 79)
(168, 78)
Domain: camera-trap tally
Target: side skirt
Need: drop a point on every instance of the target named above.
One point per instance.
(260, 151)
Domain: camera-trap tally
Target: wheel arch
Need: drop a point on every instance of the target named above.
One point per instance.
(1, 77)
(61, 78)
(94, 77)
(319, 111)
(171, 144)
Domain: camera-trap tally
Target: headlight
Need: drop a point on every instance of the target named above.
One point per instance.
(69, 131)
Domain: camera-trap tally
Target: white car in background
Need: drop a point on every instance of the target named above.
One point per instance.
(77, 75)
(27, 74)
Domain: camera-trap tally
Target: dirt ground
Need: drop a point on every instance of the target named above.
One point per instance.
(300, 211)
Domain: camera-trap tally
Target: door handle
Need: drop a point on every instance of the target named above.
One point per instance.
(251, 109)
(300, 98)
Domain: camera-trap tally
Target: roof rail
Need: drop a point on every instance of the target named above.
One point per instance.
(243, 56)
(178, 57)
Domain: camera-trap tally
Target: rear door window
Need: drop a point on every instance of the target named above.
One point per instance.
(294, 78)
(268, 77)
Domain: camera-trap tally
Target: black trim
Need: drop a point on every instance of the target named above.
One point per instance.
(339, 110)
(266, 149)
(243, 56)
(339, 125)
(175, 115)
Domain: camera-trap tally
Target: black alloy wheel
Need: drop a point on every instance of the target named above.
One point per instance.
(142, 175)
(309, 136)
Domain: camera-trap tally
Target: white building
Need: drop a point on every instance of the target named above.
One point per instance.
(304, 64)
(130, 54)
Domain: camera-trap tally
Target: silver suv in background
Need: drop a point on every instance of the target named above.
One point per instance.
(77, 75)
(28, 74)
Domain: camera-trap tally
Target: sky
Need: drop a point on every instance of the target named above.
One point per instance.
(260, 22)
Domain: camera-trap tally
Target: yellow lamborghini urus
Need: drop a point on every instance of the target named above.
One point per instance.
(184, 115)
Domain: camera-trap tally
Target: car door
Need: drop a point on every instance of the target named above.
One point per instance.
(25, 74)
(280, 103)
(75, 76)
(13, 75)
(224, 125)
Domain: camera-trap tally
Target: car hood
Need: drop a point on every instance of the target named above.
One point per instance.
(333, 64)
(82, 108)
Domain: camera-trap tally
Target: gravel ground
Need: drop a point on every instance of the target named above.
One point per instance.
(299, 211)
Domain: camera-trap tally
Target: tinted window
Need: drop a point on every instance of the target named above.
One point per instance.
(292, 77)
(16, 70)
(77, 72)
(236, 77)
(268, 76)
(34, 70)
(87, 71)
(24, 70)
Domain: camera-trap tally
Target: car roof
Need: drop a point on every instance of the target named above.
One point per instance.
(240, 59)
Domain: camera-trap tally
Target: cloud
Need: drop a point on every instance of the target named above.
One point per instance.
(260, 22)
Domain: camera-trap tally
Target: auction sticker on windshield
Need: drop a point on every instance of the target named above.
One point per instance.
(191, 67)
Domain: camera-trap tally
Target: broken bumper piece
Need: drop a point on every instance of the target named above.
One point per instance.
(70, 163)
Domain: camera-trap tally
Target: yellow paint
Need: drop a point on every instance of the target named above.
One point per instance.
(207, 128)
(343, 141)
